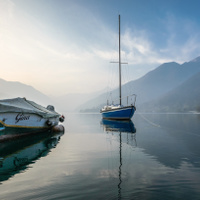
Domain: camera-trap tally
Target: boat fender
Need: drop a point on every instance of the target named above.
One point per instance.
(62, 118)
(58, 128)
(49, 123)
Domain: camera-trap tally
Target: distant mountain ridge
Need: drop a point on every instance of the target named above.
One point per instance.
(185, 97)
(65, 103)
(163, 79)
(154, 84)
(13, 89)
(70, 101)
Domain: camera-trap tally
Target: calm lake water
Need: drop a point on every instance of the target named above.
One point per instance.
(155, 156)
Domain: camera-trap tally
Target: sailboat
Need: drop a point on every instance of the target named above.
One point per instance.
(119, 112)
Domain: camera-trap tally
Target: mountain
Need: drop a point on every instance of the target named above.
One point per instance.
(11, 89)
(154, 84)
(69, 102)
(163, 79)
(185, 97)
(72, 102)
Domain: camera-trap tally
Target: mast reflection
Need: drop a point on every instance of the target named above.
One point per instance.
(116, 126)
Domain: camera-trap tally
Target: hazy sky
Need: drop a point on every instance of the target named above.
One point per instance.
(65, 46)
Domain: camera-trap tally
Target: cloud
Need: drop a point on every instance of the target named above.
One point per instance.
(136, 48)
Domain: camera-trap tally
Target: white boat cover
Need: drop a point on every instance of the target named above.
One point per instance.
(23, 105)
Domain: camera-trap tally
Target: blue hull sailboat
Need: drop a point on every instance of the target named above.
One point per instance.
(119, 112)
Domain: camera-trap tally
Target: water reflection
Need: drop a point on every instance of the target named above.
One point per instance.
(119, 127)
(16, 155)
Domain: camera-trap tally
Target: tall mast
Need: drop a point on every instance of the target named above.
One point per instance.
(120, 91)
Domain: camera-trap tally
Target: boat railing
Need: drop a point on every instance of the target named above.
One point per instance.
(130, 100)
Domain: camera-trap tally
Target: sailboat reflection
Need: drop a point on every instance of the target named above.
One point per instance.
(16, 155)
(120, 127)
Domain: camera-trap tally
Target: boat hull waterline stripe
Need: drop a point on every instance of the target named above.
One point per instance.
(19, 126)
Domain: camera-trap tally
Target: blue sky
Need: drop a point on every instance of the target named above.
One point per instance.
(65, 46)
